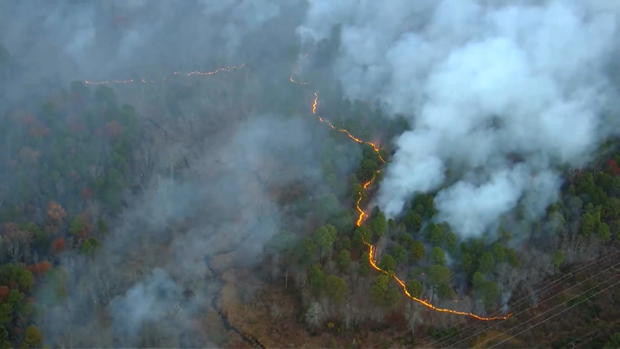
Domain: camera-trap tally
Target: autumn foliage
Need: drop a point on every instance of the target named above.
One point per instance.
(613, 168)
(4, 292)
(58, 245)
(55, 211)
(40, 268)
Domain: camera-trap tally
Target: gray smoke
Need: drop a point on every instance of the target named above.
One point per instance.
(123, 39)
(153, 276)
(215, 156)
(500, 95)
(152, 300)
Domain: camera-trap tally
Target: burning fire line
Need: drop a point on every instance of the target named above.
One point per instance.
(229, 68)
(373, 263)
(374, 146)
(362, 215)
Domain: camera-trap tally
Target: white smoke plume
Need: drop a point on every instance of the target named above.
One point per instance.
(500, 95)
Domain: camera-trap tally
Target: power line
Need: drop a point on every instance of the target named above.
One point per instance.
(540, 290)
(562, 312)
(547, 311)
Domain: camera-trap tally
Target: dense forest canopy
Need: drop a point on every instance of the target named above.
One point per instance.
(264, 173)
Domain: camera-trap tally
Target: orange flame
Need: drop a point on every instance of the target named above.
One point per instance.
(315, 104)
(374, 146)
(373, 263)
(213, 72)
(229, 68)
(109, 82)
(362, 215)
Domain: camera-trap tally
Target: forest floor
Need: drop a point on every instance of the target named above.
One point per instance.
(573, 314)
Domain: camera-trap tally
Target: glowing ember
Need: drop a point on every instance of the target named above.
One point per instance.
(373, 263)
(362, 215)
(209, 73)
(375, 147)
(229, 68)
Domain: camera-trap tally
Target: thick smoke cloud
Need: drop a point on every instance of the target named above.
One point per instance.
(208, 202)
(500, 97)
(58, 41)
(154, 275)
(501, 94)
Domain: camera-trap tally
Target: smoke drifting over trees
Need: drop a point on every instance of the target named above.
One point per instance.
(153, 207)
(500, 95)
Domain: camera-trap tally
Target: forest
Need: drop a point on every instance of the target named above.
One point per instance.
(290, 192)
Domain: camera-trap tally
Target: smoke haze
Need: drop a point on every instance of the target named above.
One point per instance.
(500, 95)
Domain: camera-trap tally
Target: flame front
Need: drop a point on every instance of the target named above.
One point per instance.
(373, 263)
(228, 68)
(374, 146)
(362, 215)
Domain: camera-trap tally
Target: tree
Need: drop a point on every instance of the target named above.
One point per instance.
(314, 315)
(32, 337)
(102, 226)
(435, 234)
(16, 277)
(589, 222)
(55, 212)
(379, 288)
(499, 253)
(513, 258)
(364, 268)
(40, 268)
(89, 246)
(417, 251)
(381, 292)
(413, 221)
(399, 253)
(438, 274)
(424, 205)
(336, 288)
(469, 263)
(451, 241)
(16, 241)
(58, 245)
(405, 239)
(444, 291)
(368, 167)
(325, 237)
(603, 232)
(316, 278)
(438, 256)
(344, 260)
(612, 208)
(415, 288)
(378, 224)
(487, 262)
(78, 226)
(388, 263)
(488, 291)
(362, 235)
(558, 258)
(4, 292)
